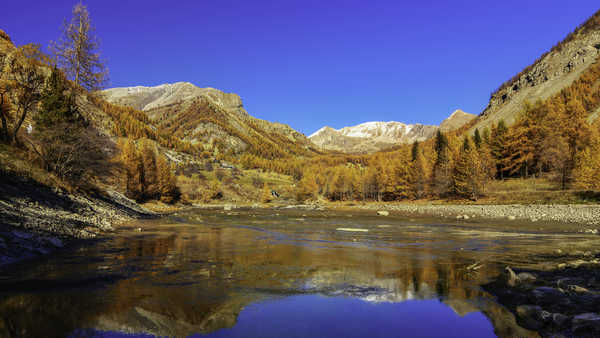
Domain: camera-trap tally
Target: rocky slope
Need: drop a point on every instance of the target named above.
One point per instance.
(211, 119)
(552, 72)
(374, 136)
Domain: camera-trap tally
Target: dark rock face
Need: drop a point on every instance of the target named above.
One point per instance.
(563, 302)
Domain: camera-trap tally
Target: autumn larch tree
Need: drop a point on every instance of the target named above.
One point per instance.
(442, 170)
(77, 51)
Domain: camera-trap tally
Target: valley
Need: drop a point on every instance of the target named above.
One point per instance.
(145, 197)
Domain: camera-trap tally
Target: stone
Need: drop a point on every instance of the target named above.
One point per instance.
(511, 218)
(383, 213)
(577, 289)
(465, 217)
(510, 277)
(530, 315)
(559, 319)
(548, 295)
(526, 277)
(459, 217)
(227, 208)
(55, 241)
(586, 322)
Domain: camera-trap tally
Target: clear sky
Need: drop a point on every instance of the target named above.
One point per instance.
(313, 63)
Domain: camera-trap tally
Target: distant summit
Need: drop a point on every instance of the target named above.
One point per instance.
(374, 136)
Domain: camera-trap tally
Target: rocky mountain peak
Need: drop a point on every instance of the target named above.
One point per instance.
(148, 98)
(456, 120)
(373, 136)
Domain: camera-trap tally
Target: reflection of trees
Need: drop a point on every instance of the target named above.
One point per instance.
(199, 280)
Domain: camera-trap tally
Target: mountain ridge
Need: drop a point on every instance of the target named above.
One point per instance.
(373, 136)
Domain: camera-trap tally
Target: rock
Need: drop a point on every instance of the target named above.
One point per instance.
(548, 295)
(510, 277)
(55, 241)
(465, 217)
(227, 208)
(459, 217)
(545, 316)
(528, 311)
(577, 289)
(352, 229)
(559, 319)
(511, 218)
(530, 315)
(383, 213)
(526, 277)
(586, 322)
(21, 234)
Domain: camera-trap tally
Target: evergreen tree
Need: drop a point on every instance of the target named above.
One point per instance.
(64, 145)
(56, 106)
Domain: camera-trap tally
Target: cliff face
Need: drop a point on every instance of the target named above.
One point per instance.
(552, 72)
(211, 118)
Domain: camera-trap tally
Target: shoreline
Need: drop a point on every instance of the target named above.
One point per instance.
(36, 220)
(580, 214)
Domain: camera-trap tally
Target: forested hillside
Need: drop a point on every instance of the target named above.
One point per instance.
(180, 141)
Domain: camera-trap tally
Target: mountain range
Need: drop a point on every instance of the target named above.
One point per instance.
(211, 119)
(374, 136)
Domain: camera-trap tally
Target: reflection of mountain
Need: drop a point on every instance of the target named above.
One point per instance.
(193, 280)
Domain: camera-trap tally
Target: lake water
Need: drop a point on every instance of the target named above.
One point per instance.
(275, 273)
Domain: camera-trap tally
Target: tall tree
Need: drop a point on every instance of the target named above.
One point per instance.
(468, 175)
(442, 169)
(498, 147)
(587, 165)
(417, 175)
(477, 138)
(77, 51)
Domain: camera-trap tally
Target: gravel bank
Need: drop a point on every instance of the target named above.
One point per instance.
(36, 220)
(583, 214)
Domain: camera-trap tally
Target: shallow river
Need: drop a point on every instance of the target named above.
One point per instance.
(274, 273)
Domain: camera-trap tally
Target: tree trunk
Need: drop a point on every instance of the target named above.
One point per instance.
(18, 125)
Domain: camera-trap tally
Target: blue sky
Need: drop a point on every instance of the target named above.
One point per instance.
(314, 63)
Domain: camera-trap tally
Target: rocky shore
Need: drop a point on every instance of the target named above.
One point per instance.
(583, 214)
(563, 302)
(36, 219)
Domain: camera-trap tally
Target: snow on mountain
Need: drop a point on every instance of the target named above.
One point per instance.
(374, 136)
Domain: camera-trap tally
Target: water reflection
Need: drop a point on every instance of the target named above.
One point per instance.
(209, 273)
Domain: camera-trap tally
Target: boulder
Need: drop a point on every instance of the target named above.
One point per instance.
(559, 319)
(383, 213)
(586, 322)
(509, 277)
(529, 315)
